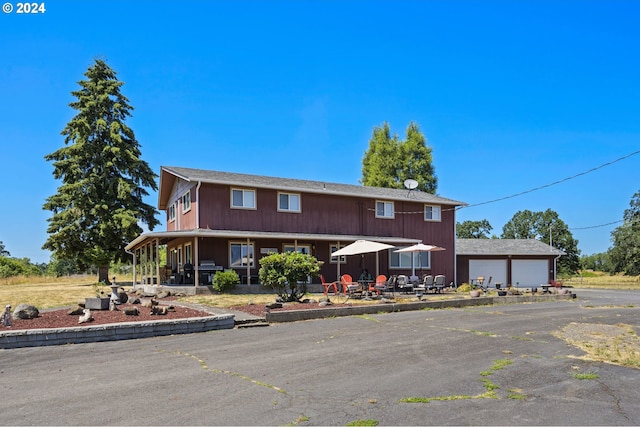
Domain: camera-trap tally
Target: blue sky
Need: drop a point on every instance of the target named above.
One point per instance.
(511, 95)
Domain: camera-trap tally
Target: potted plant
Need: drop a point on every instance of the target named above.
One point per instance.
(101, 300)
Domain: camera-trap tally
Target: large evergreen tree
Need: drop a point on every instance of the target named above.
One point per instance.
(98, 207)
(389, 161)
(549, 228)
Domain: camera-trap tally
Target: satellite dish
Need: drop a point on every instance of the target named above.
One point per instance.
(410, 184)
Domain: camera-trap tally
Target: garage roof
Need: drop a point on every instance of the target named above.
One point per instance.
(505, 247)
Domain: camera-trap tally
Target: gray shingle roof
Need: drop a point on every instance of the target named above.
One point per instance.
(300, 185)
(504, 247)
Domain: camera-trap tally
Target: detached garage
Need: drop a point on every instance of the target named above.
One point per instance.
(523, 263)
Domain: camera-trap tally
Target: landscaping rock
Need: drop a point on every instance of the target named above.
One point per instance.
(274, 305)
(76, 311)
(122, 295)
(131, 311)
(25, 311)
(163, 294)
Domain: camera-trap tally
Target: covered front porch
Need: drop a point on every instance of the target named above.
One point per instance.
(194, 256)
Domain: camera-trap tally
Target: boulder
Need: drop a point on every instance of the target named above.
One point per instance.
(122, 295)
(25, 311)
(274, 305)
(76, 311)
(163, 294)
(131, 311)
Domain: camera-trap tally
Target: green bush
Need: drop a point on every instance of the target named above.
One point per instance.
(287, 272)
(465, 287)
(225, 280)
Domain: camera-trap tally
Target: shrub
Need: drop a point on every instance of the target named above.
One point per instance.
(287, 272)
(225, 280)
(465, 287)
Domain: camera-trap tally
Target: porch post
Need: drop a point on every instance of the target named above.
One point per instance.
(196, 261)
(134, 267)
(158, 260)
(248, 262)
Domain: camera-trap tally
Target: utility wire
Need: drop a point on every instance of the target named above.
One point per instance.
(552, 183)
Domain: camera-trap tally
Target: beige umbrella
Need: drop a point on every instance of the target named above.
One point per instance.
(420, 247)
(361, 247)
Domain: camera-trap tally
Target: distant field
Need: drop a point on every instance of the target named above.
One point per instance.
(44, 292)
(603, 280)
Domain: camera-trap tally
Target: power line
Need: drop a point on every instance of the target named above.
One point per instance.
(552, 183)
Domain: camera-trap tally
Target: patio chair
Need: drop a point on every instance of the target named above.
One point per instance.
(404, 284)
(328, 285)
(426, 285)
(349, 287)
(380, 285)
(439, 283)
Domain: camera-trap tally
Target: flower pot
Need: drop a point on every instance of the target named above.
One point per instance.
(96, 303)
(475, 293)
(502, 293)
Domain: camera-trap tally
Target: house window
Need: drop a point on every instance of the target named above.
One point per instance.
(303, 249)
(243, 198)
(288, 202)
(172, 212)
(188, 257)
(334, 259)
(432, 213)
(186, 202)
(384, 209)
(240, 254)
(403, 259)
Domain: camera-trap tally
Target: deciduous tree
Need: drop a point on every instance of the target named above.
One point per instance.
(624, 255)
(473, 229)
(98, 206)
(549, 228)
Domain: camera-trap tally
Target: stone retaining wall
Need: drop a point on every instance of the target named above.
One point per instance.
(346, 310)
(113, 331)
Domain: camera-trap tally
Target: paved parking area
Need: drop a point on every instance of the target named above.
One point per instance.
(339, 370)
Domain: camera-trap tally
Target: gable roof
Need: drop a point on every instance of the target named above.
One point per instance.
(505, 247)
(168, 175)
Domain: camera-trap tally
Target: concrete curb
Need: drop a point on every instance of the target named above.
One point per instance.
(113, 331)
(346, 310)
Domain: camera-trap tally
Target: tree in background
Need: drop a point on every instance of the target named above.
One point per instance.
(596, 262)
(98, 207)
(3, 251)
(389, 162)
(624, 255)
(473, 229)
(549, 228)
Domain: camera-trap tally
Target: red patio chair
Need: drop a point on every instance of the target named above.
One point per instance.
(328, 285)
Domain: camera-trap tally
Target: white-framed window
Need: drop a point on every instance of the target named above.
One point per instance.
(403, 259)
(243, 199)
(186, 202)
(289, 202)
(172, 212)
(334, 259)
(188, 254)
(432, 213)
(384, 209)
(240, 254)
(290, 247)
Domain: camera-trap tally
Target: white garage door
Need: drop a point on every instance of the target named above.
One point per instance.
(494, 268)
(529, 272)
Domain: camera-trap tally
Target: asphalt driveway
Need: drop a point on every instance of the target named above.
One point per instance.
(339, 370)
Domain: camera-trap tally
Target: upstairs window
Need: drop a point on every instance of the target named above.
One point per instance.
(384, 210)
(172, 212)
(243, 199)
(186, 202)
(288, 202)
(432, 213)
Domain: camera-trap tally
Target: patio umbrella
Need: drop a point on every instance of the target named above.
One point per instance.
(361, 247)
(420, 247)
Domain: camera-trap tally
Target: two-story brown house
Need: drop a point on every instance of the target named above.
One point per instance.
(232, 220)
